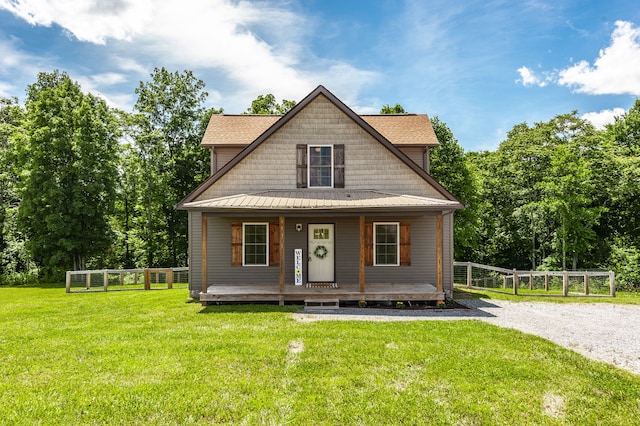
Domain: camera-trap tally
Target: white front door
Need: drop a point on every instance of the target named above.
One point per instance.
(321, 253)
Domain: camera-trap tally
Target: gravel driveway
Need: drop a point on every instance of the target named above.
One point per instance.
(600, 331)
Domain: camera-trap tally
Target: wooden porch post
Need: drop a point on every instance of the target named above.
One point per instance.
(281, 248)
(205, 275)
(439, 270)
(363, 249)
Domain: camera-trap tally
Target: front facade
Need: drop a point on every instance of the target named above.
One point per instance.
(320, 204)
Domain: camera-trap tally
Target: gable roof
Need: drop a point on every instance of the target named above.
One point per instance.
(320, 91)
(399, 129)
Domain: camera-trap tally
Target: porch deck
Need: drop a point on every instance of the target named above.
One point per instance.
(343, 292)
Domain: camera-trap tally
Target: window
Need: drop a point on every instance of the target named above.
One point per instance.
(255, 244)
(320, 166)
(386, 244)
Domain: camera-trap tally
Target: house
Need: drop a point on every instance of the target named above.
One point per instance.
(320, 204)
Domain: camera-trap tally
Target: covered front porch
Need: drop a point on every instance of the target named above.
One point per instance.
(344, 292)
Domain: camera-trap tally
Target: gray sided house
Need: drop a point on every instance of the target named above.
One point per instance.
(320, 204)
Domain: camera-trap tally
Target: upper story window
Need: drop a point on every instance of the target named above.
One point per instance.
(320, 166)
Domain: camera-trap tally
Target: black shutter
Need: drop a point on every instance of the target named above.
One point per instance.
(301, 166)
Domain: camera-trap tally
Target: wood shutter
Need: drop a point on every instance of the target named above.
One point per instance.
(338, 166)
(236, 244)
(301, 166)
(405, 244)
(368, 244)
(274, 244)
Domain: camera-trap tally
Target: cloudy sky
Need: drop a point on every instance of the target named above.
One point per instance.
(481, 66)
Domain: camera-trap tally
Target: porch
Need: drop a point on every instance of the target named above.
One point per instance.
(373, 292)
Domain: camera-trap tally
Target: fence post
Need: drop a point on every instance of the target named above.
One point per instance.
(530, 281)
(170, 279)
(504, 281)
(612, 284)
(88, 280)
(586, 284)
(469, 274)
(565, 283)
(515, 282)
(106, 280)
(546, 282)
(147, 279)
(68, 281)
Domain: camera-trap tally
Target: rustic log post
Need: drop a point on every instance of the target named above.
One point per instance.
(504, 281)
(135, 278)
(469, 274)
(516, 282)
(530, 281)
(363, 249)
(565, 283)
(612, 284)
(281, 249)
(68, 281)
(586, 284)
(204, 272)
(88, 280)
(121, 278)
(439, 269)
(106, 280)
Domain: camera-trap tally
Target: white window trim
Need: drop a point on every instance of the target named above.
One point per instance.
(309, 147)
(266, 224)
(375, 246)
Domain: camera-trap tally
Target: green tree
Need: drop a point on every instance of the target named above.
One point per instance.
(396, 109)
(168, 127)
(68, 159)
(449, 167)
(267, 104)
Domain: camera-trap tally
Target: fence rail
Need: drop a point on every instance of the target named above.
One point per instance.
(127, 279)
(556, 283)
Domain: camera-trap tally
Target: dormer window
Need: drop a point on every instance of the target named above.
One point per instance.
(320, 166)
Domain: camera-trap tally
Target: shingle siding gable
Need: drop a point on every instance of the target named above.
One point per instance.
(368, 163)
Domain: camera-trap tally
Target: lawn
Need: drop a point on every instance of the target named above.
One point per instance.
(134, 357)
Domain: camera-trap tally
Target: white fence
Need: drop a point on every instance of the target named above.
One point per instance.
(556, 283)
(127, 279)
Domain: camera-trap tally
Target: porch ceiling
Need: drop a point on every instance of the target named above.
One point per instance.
(319, 199)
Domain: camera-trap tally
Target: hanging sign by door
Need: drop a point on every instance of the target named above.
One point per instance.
(297, 262)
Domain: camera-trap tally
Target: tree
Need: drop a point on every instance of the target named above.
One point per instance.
(68, 159)
(168, 126)
(450, 168)
(12, 254)
(396, 109)
(267, 104)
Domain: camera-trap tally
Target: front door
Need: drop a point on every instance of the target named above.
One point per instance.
(321, 266)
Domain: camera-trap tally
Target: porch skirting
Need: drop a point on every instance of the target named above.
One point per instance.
(344, 292)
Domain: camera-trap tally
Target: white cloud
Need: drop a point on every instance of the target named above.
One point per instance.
(251, 47)
(617, 69)
(94, 21)
(529, 78)
(604, 117)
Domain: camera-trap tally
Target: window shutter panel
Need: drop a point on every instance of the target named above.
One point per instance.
(405, 244)
(301, 166)
(338, 166)
(274, 244)
(368, 244)
(236, 244)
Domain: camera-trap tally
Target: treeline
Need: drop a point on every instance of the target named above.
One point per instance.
(555, 195)
(83, 185)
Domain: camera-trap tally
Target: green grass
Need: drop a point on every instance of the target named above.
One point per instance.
(622, 297)
(154, 358)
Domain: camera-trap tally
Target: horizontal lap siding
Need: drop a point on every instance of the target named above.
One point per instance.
(423, 254)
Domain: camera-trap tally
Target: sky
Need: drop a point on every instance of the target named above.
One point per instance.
(480, 66)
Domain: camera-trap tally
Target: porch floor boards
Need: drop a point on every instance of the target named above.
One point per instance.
(344, 292)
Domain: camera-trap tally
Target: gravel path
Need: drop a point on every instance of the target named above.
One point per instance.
(601, 331)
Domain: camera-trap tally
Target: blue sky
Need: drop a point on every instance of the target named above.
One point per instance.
(481, 66)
